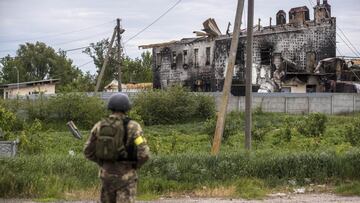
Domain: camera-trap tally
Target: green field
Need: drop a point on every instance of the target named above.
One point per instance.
(288, 151)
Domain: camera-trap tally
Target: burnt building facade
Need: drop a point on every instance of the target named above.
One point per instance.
(285, 55)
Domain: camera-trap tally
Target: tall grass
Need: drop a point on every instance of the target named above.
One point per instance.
(50, 176)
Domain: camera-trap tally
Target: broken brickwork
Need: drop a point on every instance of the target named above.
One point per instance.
(200, 63)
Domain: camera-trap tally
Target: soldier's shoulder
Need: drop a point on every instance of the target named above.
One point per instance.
(134, 125)
(134, 128)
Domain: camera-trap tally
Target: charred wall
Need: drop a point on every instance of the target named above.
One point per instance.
(190, 64)
(200, 64)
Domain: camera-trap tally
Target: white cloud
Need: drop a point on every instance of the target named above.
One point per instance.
(27, 19)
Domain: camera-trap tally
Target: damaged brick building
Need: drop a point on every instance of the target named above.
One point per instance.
(289, 56)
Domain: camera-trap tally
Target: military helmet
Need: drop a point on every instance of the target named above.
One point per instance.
(119, 103)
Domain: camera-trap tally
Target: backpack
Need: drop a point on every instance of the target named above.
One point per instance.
(111, 140)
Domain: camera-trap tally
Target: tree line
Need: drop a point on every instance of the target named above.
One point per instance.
(38, 61)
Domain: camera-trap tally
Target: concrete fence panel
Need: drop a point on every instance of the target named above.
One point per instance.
(357, 103)
(320, 104)
(297, 105)
(342, 103)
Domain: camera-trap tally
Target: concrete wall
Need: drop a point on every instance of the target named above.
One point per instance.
(8, 148)
(328, 103)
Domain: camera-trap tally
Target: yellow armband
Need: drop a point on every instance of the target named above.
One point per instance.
(139, 140)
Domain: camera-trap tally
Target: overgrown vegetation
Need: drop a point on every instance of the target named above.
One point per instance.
(175, 105)
(313, 149)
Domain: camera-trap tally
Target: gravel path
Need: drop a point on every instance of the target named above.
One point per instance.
(300, 198)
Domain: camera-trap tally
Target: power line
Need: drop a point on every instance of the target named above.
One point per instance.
(75, 49)
(56, 35)
(138, 33)
(356, 54)
(85, 64)
(349, 41)
(81, 39)
(156, 20)
(131, 38)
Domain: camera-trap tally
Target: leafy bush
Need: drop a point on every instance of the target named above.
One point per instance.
(7, 119)
(175, 105)
(31, 141)
(38, 109)
(285, 133)
(206, 106)
(352, 132)
(313, 125)
(85, 111)
(234, 123)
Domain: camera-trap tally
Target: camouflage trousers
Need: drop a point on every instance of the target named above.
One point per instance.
(115, 190)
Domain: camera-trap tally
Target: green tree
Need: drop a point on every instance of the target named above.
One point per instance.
(97, 51)
(137, 70)
(38, 62)
(133, 70)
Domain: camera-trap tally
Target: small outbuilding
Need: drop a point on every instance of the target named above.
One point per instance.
(29, 88)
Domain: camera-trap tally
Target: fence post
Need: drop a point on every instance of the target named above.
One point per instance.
(354, 104)
(286, 108)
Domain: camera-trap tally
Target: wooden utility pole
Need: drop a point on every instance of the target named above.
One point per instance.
(102, 71)
(119, 51)
(248, 79)
(228, 80)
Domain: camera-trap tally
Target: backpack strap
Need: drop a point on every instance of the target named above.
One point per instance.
(126, 121)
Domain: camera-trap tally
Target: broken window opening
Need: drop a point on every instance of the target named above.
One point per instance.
(173, 63)
(208, 55)
(240, 58)
(185, 59)
(286, 89)
(196, 60)
(310, 88)
(265, 55)
(158, 59)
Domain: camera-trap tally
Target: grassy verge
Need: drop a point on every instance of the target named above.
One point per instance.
(181, 163)
(53, 176)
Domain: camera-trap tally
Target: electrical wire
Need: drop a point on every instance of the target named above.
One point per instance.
(156, 20)
(85, 64)
(356, 50)
(138, 33)
(131, 38)
(82, 39)
(60, 34)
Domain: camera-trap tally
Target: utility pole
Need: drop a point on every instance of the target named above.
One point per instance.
(249, 61)
(119, 51)
(228, 80)
(102, 71)
(18, 77)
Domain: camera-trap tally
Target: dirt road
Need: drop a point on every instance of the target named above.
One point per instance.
(282, 198)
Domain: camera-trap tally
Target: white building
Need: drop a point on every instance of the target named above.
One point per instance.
(29, 88)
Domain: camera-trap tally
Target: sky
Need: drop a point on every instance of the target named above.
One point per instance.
(68, 24)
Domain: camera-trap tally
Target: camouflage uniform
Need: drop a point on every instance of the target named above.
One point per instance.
(119, 178)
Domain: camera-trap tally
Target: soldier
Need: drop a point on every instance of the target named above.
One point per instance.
(117, 145)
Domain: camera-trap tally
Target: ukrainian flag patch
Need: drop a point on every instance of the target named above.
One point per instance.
(139, 140)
